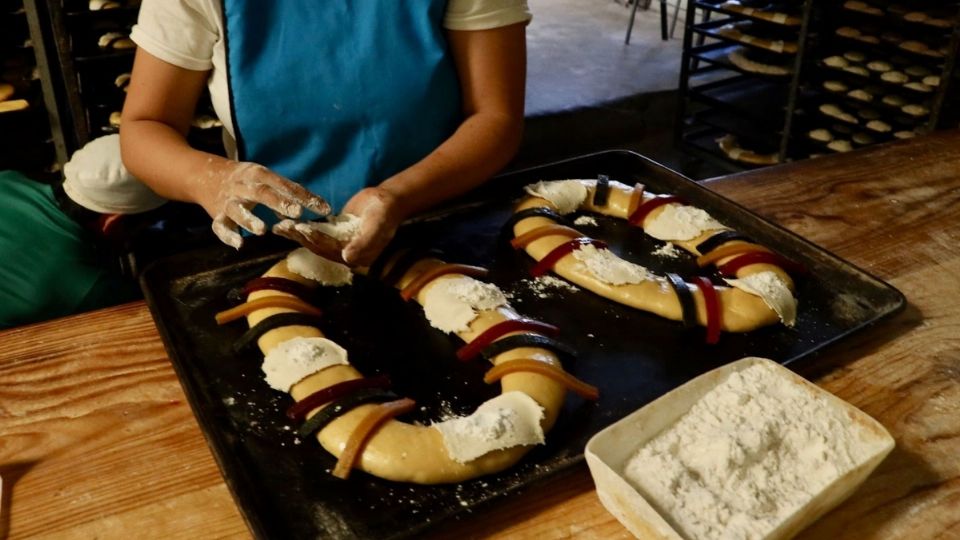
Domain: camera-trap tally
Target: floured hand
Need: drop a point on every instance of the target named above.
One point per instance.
(380, 215)
(231, 191)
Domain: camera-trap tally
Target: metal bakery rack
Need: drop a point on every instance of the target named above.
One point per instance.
(740, 78)
(886, 67)
(791, 79)
(90, 46)
(30, 138)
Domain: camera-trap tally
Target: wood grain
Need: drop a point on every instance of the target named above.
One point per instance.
(97, 441)
(96, 438)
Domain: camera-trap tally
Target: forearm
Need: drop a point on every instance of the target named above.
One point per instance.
(482, 145)
(159, 156)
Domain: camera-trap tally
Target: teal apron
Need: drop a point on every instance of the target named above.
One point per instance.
(341, 94)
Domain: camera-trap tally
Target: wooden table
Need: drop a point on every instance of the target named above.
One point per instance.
(97, 440)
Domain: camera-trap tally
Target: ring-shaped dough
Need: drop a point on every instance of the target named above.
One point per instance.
(741, 311)
(400, 451)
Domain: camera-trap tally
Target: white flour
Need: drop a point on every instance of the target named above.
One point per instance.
(586, 220)
(508, 420)
(746, 456)
(308, 264)
(289, 362)
(667, 251)
(546, 286)
(774, 292)
(452, 304)
(681, 222)
(343, 227)
(604, 265)
(565, 195)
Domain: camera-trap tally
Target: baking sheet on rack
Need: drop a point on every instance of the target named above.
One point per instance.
(282, 484)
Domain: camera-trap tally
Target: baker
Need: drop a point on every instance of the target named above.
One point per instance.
(380, 108)
(53, 239)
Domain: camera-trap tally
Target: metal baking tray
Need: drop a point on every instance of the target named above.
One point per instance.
(283, 485)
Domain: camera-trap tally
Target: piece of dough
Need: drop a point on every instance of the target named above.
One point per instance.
(116, 41)
(739, 58)
(917, 71)
(740, 313)
(932, 80)
(835, 86)
(860, 95)
(896, 77)
(821, 135)
(6, 91)
(863, 139)
(13, 105)
(906, 134)
(879, 66)
(115, 118)
(879, 126)
(919, 87)
(894, 100)
(840, 145)
(868, 114)
(914, 109)
(836, 61)
(404, 452)
(857, 70)
(915, 16)
(729, 145)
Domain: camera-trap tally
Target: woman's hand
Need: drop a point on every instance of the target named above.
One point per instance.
(229, 190)
(380, 213)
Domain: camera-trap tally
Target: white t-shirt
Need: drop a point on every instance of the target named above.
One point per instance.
(189, 34)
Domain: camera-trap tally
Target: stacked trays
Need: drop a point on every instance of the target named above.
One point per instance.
(25, 140)
(739, 77)
(881, 73)
(97, 58)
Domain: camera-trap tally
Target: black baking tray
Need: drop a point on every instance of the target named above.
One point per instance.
(283, 485)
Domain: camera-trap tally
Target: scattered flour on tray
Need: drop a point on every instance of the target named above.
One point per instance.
(452, 304)
(308, 264)
(586, 220)
(547, 286)
(667, 251)
(604, 265)
(747, 455)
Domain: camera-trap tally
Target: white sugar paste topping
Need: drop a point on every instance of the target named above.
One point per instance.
(289, 362)
(508, 420)
(680, 222)
(308, 264)
(565, 195)
(343, 227)
(604, 265)
(452, 304)
(774, 292)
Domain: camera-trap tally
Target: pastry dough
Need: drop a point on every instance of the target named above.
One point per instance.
(740, 311)
(766, 15)
(739, 58)
(13, 105)
(729, 145)
(6, 91)
(401, 451)
(739, 32)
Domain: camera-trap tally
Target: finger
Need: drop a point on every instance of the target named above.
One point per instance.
(242, 216)
(261, 193)
(226, 231)
(298, 194)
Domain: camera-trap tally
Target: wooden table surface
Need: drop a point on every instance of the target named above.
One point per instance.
(98, 441)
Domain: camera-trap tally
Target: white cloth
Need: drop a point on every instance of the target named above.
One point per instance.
(96, 179)
(189, 34)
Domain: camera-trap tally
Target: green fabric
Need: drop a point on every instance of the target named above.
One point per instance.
(48, 265)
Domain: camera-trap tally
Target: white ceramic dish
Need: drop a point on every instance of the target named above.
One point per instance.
(608, 451)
